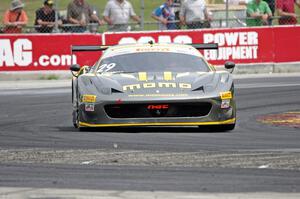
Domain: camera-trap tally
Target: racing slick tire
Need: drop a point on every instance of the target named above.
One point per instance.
(75, 119)
(76, 122)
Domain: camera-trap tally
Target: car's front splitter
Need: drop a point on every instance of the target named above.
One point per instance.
(230, 121)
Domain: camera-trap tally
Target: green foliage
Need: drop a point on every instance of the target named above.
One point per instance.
(49, 77)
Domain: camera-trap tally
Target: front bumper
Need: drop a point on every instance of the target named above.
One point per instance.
(216, 116)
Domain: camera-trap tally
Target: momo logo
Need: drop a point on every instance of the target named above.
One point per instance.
(156, 85)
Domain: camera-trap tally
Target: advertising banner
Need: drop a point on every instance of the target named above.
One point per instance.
(246, 45)
(29, 52)
(286, 44)
(32, 52)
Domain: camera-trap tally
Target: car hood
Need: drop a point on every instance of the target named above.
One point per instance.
(157, 82)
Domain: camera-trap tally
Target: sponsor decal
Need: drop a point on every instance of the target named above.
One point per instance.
(153, 50)
(159, 95)
(89, 98)
(149, 85)
(225, 104)
(226, 95)
(158, 107)
(89, 107)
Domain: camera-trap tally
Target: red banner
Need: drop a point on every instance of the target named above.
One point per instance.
(241, 45)
(45, 52)
(286, 44)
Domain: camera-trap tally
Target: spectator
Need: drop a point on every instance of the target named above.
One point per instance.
(271, 4)
(80, 14)
(194, 14)
(259, 11)
(286, 11)
(165, 15)
(15, 18)
(117, 14)
(176, 7)
(45, 18)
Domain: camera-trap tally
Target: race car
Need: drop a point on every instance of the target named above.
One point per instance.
(152, 85)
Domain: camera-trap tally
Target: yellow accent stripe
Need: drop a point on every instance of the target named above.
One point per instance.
(168, 76)
(143, 76)
(230, 121)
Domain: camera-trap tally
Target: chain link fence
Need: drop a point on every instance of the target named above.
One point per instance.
(57, 16)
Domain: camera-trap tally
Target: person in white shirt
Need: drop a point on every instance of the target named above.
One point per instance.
(117, 14)
(194, 14)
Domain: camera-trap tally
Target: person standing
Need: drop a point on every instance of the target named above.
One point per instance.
(286, 11)
(258, 13)
(15, 18)
(80, 14)
(165, 16)
(176, 7)
(117, 14)
(194, 14)
(46, 17)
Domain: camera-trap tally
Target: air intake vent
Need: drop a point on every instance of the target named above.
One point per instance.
(115, 91)
(143, 111)
(201, 88)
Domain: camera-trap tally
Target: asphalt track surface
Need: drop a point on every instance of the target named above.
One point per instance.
(39, 148)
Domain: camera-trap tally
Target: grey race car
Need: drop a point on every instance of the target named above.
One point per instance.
(152, 85)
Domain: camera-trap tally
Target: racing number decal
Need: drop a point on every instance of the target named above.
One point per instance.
(106, 67)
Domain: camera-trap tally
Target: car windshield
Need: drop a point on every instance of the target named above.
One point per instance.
(152, 62)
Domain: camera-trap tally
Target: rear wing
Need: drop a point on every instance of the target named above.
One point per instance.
(88, 48)
(212, 46)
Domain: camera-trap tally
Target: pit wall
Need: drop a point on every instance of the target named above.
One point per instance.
(250, 46)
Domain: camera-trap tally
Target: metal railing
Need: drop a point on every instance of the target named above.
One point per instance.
(220, 18)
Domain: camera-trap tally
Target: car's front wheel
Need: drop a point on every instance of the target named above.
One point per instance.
(75, 119)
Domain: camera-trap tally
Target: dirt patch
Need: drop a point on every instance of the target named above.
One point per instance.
(289, 119)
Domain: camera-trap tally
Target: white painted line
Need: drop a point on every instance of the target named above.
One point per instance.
(264, 166)
(27, 192)
(87, 162)
(244, 86)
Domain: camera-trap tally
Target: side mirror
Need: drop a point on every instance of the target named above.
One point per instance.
(229, 65)
(75, 68)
